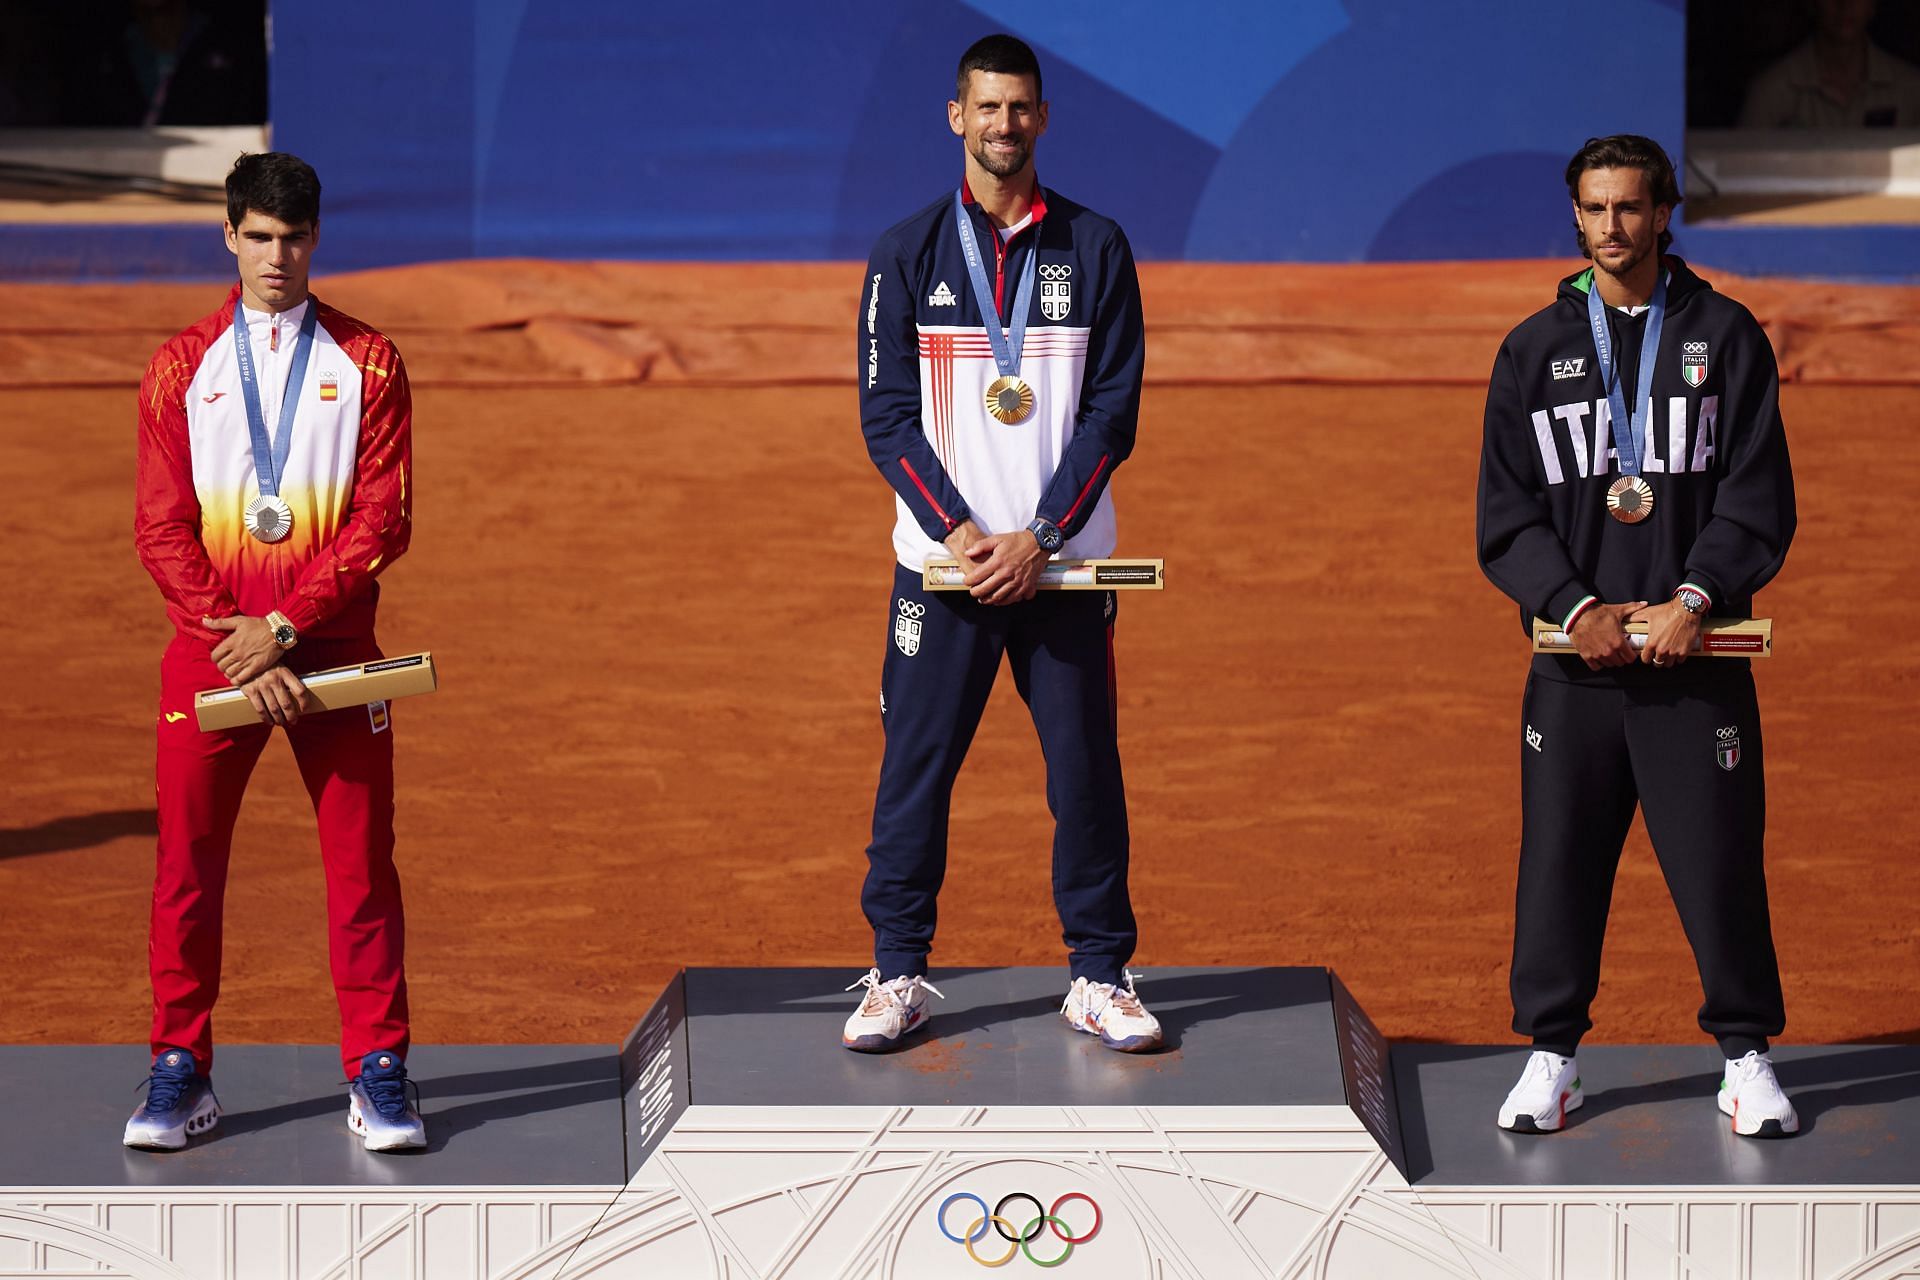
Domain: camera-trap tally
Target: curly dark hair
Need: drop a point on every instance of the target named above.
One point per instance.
(1626, 151)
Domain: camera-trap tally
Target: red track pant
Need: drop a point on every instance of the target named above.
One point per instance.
(346, 760)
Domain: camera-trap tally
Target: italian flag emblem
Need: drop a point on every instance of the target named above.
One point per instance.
(1693, 362)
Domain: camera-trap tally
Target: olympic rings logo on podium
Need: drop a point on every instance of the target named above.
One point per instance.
(1021, 1240)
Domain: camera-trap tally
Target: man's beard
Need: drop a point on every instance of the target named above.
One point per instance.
(1003, 168)
(1634, 258)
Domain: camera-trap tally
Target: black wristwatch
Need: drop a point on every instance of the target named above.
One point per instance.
(1694, 602)
(1048, 535)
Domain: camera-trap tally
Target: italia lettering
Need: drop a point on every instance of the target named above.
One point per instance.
(1564, 431)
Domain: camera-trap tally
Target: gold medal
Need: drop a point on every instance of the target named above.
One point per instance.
(1630, 500)
(269, 518)
(1010, 400)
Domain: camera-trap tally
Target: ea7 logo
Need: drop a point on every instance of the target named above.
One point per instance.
(1574, 368)
(942, 296)
(1535, 738)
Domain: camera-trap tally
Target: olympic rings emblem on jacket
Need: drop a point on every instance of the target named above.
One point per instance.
(1018, 1241)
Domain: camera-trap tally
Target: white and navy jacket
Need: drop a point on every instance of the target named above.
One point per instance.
(924, 365)
(1714, 451)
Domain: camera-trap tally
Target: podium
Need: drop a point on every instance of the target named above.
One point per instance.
(731, 1137)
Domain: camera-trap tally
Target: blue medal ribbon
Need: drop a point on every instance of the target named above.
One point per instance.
(270, 458)
(1626, 441)
(1006, 351)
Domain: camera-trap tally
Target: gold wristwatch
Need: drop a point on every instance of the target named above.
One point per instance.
(283, 633)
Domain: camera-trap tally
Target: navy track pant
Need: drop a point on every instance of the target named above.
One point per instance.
(943, 652)
(1687, 748)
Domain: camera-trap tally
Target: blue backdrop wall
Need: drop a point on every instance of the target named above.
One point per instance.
(1313, 130)
(1304, 130)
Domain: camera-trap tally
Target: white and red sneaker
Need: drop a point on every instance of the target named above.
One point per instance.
(1112, 1012)
(1752, 1097)
(888, 1013)
(1549, 1087)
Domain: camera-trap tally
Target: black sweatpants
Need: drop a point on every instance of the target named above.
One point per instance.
(1686, 746)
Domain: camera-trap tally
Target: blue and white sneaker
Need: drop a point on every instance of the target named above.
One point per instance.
(378, 1111)
(1112, 1012)
(179, 1105)
(889, 1013)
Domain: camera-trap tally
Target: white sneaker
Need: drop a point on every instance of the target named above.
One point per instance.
(1549, 1087)
(1750, 1094)
(1113, 1013)
(888, 1014)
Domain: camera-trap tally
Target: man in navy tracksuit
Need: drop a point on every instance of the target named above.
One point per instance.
(999, 355)
(1635, 469)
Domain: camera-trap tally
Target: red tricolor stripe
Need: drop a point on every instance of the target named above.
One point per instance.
(1087, 489)
(925, 492)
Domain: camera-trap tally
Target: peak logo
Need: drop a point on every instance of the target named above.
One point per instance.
(942, 296)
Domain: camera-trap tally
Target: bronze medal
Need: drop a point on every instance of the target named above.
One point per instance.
(1630, 500)
(1010, 400)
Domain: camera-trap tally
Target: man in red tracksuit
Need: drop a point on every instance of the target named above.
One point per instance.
(274, 484)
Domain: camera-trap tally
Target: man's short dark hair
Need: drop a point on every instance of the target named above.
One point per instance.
(998, 55)
(1626, 151)
(279, 185)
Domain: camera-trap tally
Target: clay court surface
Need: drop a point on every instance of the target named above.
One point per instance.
(651, 558)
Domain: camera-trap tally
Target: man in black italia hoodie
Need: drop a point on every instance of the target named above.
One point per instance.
(1635, 468)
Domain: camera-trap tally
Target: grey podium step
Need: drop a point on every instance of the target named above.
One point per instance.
(497, 1115)
(584, 1115)
(1268, 1037)
(1649, 1119)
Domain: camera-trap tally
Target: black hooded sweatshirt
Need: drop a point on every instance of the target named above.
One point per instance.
(1715, 454)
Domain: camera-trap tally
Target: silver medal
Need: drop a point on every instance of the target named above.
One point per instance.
(269, 518)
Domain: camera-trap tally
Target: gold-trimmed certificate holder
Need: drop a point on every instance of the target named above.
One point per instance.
(1719, 638)
(334, 689)
(1062, 575)
(1010, 400)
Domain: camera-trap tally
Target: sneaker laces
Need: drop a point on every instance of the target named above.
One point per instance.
(165, 1087)
(1750, 1068)
(1103, 994)
(897, 991)
(387, 1094)
(1541, 1065)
